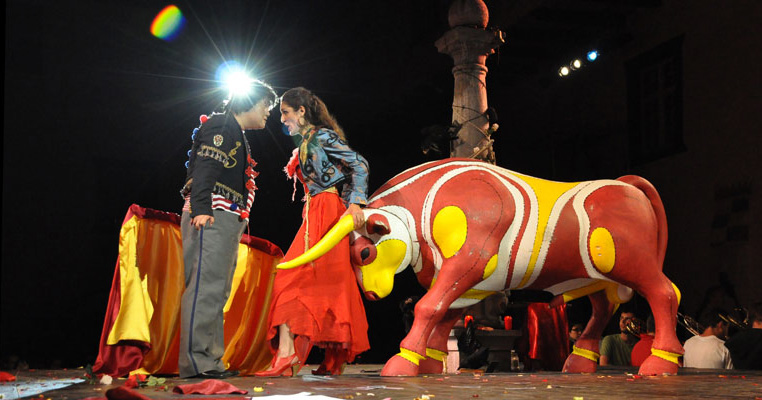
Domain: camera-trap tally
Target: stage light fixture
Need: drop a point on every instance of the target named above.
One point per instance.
(576, 64)
(563, 71)
(592, 55)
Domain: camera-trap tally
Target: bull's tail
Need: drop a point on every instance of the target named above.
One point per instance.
(661, 217)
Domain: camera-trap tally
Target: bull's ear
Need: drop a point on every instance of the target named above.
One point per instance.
(377, 224)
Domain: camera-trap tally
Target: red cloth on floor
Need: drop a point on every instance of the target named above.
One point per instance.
(123, 393)
(6, 377)
(320, 300)
(209, 386)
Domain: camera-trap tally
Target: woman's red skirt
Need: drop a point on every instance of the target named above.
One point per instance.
(320, 300)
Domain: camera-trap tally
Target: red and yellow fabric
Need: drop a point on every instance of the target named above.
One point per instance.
(142, 323)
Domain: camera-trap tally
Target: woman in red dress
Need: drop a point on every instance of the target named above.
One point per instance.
(319, 303)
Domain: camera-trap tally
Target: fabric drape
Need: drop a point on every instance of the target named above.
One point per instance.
(142, 324)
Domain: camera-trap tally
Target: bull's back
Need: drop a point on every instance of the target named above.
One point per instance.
(545, 239)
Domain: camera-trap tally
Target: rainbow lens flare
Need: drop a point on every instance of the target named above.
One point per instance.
(168, 23)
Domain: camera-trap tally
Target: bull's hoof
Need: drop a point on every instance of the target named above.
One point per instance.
(657, 366)
(398, 366)
(575, 364)
(430, 366)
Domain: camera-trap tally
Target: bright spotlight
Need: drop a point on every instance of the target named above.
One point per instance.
(234, 78)
(592, 55)
(238, 83)
(576, 64)
(563, 71)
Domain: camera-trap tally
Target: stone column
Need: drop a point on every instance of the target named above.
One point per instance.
(469, 43)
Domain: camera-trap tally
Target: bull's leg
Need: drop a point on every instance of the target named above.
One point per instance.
(585, 353)
(451, 283)
(663, 297)
(436, 349)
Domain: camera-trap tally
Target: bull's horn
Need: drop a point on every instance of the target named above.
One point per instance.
(332, 238)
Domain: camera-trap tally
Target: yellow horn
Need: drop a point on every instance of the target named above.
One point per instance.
(333, 237)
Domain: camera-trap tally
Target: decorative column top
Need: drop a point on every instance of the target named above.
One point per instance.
(468, 41)
(471, 13)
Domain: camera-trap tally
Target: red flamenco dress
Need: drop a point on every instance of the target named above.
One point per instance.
(320, 301)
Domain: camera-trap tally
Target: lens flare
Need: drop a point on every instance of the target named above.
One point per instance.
(168, 23)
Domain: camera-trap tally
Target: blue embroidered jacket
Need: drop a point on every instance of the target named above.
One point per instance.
(327, 161)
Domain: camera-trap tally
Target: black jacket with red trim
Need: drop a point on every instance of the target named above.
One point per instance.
(220, 166)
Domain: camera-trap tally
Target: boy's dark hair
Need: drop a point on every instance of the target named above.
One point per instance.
(712, 318)
(259, 91)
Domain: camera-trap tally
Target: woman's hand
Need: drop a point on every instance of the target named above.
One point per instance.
(357, 216)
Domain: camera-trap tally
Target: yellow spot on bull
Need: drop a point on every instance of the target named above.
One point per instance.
(602, 250)
(378, 276)
(548, 193)
(449, 230)
(490, 268)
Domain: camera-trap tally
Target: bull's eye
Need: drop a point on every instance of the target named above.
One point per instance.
(365, 253)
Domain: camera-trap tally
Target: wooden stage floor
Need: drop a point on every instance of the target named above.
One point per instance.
(364, 382)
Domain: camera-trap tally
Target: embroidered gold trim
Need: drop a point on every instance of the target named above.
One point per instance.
(213, 153)
(232, 153)
(227, 192)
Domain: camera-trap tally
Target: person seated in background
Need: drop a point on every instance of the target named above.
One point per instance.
(746, 346)
(574, 333)
(708, 350)
(407, 307)
(617, 348)
(642, 349)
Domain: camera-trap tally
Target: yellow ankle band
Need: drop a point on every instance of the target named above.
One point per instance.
(589, 354)
(435, 354)
(411, 356)
(663, 354)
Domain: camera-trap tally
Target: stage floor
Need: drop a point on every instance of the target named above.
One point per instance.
(363, 382)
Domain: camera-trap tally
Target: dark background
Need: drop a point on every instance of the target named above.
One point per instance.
(98, 115)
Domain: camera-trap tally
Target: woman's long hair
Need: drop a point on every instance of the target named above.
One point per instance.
(316, 112)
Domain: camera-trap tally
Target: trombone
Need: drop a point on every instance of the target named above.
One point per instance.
(740, 323)
(690, 324)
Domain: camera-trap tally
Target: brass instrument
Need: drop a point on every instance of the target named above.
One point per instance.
(740, 323)
(689, 324)
(635, 327)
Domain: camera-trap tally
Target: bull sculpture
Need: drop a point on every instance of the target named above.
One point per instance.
(471, 229)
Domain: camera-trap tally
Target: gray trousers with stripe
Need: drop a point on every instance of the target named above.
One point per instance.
(210, 257)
